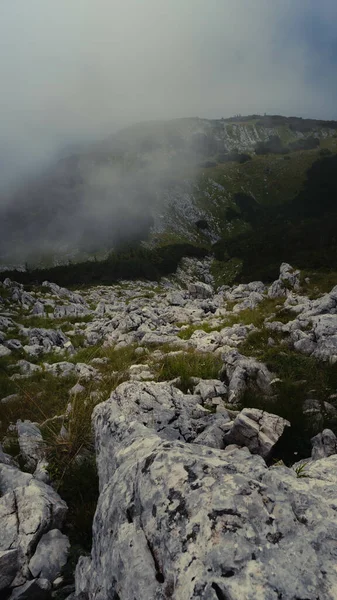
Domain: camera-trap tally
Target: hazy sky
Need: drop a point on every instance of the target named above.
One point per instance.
(72, 70)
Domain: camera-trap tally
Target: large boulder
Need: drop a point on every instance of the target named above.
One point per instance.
(183, 521)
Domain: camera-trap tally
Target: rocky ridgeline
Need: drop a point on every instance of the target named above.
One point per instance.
(189, 505)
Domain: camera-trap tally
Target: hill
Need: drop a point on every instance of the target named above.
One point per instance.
(231, 186)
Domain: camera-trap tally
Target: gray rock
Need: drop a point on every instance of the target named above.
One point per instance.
(242, 373)
(176, 299)
(323, 444)
(36, 589)
(47, 339)
(6, 459)
(257, 430)
(28, 509)
(289, 279)
(200, 290)
(8, 567)
(63, 293)
(50, 556)
(33, 350)
(38, 309)
(64, 369)
(210, 388)
(13, 344)
(182, 521)
(30, 442)
(26, 368)
(70, 310)
(76, 389)
(4, 351)
(315, 412)
(10, 398)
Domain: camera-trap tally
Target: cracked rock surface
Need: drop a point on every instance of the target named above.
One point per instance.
(28, 509)
(183, 521)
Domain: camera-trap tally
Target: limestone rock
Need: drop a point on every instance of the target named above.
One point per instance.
(8, 567)
(50, 555)
(323, 444)
(4, 351)
(36, 589)
(28, 509)
(210, 388)
(30, 442)
(182, 521)
(257, 430)
(199, 289)
(241, 373)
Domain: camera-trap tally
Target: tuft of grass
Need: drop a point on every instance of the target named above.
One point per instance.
(255, 316)
(300, 470)
(72, 468)
(40, 397)
(186, 333)
(78, 340)
(301, 377)
(187, 365)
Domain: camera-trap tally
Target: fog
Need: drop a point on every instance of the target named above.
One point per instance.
(76, 71)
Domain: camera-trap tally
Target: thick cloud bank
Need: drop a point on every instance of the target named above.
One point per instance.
(76, 71)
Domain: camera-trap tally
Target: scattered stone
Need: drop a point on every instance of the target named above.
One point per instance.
(10, 398)
(200, 290)
(210, 388)
(257, 430)
(76, 389)
(30, 442)
(50, 556)
(4, 351)
(323, 444)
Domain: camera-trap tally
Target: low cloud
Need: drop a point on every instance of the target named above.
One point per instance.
(77, 71)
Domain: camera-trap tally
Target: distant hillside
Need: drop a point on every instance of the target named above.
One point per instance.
(209, 183)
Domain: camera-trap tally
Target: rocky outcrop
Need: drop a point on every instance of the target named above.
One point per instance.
(29, 509)
(289, 279)
(242, 373)
(313, 331)
(257, 430)
(184, 521)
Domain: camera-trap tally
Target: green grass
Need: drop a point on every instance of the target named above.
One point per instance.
(40, 397)
(225, 272)
(321, 282)
(256, 316)
(186, 333)
(78, 340)
(187, 365)
(301, 377)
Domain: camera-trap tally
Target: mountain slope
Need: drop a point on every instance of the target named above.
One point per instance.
(160, 182)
